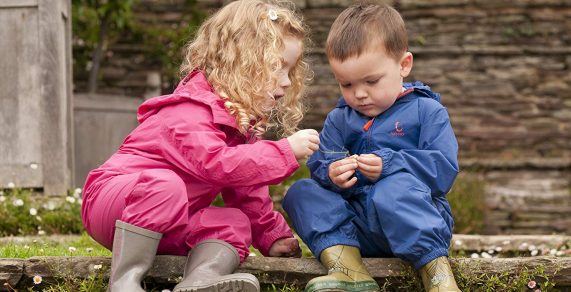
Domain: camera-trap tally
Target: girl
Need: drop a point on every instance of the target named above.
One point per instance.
(244, 72)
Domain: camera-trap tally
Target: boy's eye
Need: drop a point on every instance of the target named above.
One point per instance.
(373, 81)
(346, 85)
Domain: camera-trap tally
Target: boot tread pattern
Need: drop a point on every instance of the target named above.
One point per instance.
(224, 286)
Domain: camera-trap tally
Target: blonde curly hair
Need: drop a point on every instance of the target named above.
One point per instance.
(239, 48)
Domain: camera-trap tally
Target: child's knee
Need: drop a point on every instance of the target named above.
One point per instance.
(163, 184)
(301, 187)
(299, 192)
(158, 201)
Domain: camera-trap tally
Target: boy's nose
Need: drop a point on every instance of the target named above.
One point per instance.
(360, 94)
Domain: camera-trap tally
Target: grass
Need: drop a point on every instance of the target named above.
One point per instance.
(82, 245)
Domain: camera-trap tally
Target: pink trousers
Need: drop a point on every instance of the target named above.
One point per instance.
(156, 200)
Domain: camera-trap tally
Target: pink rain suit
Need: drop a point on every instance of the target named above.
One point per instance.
(167, 172)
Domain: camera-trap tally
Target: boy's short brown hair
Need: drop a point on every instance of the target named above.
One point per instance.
(364, 26)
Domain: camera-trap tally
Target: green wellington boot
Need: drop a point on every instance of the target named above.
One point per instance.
(346, 272)
(437, 276)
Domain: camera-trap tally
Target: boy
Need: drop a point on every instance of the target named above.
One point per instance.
(387, 158)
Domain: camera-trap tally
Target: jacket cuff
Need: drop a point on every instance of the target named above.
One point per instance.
(387, 156)
(285, 149)
(267, 240)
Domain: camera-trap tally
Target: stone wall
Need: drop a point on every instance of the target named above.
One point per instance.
(502, 67)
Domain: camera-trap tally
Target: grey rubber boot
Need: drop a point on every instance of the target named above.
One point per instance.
(134, 250)
(209, 268)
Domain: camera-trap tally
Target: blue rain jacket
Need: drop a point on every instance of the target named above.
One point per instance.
(414, 135)
(405, 212)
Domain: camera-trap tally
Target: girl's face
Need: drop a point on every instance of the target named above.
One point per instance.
(290, 56)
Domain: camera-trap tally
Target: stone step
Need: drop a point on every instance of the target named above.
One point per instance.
(511, 243)
(460, 242)
(167, 270)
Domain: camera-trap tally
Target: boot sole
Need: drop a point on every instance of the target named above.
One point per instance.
(340, 290)
(227, 285)
(342, 286)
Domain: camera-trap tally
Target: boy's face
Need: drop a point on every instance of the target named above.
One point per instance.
(372, 81)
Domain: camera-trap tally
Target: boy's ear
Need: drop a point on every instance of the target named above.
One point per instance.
(406, 64)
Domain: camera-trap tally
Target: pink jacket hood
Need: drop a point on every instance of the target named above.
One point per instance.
(187, 89)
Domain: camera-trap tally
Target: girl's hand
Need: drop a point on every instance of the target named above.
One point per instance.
(370, 165)
(285, 247)
(303, 143)
(341, 170)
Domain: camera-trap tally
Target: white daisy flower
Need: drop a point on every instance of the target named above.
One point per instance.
(37, 279)
(553, 252)
(534, 252)
(50, 205)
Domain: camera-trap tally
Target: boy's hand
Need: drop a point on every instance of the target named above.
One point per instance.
(370, 165)
(341, 170)
(303, 143)
(285, 247)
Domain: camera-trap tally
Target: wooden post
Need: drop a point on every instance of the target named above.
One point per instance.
(36, 134)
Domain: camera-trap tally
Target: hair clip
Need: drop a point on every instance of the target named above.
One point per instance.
(272, 14)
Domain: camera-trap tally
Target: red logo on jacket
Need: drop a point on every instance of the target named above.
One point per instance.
(399, 131)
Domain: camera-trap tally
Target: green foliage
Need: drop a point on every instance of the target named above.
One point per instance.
(24, 214)
(87, 19)
(88, 14)
(467, 203)
(166, 43)
(162, 43)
